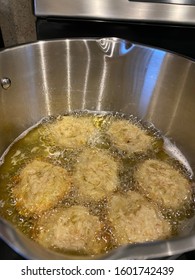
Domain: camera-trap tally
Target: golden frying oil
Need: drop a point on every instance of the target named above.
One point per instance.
(35, 144)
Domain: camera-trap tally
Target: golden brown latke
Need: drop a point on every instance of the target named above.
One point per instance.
(163, 184)
(71, 229)
(41, 185)
(134, 219)
(71, 131)
(96, 174)
(129, 137)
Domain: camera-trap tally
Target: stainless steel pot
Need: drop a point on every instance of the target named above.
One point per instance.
(109, 74)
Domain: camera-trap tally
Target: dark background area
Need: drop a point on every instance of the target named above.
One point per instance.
(1, 40)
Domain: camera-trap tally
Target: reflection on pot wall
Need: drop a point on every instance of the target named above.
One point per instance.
(150, 80)
(108, 75)
(174, 101)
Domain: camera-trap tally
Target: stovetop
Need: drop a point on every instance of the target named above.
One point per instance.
(6, 253)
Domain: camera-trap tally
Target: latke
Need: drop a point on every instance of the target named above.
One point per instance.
(135, 220)
(40, 186)
(71, 131)
(129, 137)
(96, 174)
(71, 229)
(163, 184)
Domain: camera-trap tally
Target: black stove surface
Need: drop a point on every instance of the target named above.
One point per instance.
(6, 253)
(187, 256)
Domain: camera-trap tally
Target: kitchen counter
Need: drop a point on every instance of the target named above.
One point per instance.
(17, 22)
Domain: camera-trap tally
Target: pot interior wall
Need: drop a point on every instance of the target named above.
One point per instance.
(54, 77)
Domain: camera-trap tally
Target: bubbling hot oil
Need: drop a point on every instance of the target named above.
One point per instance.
(34, 144)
